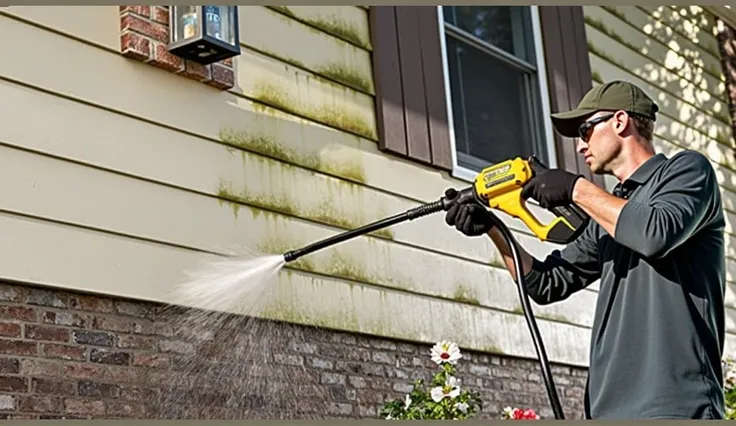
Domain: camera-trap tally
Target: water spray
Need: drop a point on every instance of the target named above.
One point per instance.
(444, 204)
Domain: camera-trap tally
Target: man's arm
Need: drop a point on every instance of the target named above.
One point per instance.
(561, 273)
(655, 227)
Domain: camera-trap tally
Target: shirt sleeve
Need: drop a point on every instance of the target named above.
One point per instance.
(567, 271)
(681, 204)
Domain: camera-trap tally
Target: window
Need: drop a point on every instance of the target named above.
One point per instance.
(496, 88)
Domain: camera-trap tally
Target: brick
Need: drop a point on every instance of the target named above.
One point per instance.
(135, 46)
(138, 10)
(66, 352)
(91, 304)
(161, 14)
(322, 364)
(114, 324)
(8, 402)
(83, 406)
(66, 318)
(9, 366)
(80, 370)
(94, 338)
(153, 329)
(13, 384)
(41, 368)
(123, 374)
(222, 77)
(163, 59)
(133, 309)
(11, 294)
(19, 313)
(332, 378)
(53, 387)
(137, 342)
(18, 347)
(104, 356)
(97, 389)
(151, 360)
(197, 72)
(144, 27)
(47, 333)
(47, 298)
(40, 404)
(9, 329)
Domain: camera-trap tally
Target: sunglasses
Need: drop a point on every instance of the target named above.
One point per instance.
(586, 128)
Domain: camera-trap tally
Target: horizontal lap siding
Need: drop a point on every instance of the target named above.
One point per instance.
(286, 157)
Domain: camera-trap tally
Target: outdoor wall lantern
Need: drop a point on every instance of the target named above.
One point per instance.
(204, 34)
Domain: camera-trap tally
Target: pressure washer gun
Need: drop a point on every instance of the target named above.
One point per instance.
(499, 187)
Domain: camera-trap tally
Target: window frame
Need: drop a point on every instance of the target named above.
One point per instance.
(547, 134)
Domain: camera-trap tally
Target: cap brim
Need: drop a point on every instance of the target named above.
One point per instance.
(567, 122)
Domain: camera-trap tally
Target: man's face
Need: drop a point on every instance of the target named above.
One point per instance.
(599, 143)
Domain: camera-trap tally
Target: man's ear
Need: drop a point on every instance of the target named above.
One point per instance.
(621, 121)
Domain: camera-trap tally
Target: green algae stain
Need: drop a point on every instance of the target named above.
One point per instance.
(277, 97)
(347, 76)
(325, 213)
(464, 294)
(267, 145)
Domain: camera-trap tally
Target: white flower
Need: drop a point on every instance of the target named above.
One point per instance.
(462, 406)
(451, 389)
(389, 417)
(508, 413)
(445, 351)
(407, 401)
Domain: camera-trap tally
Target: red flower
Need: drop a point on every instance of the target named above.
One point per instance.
(527, 414)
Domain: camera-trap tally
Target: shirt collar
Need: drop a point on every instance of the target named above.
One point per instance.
(644, 172)
(647, 169)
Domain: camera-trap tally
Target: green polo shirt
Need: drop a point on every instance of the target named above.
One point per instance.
(658, 331)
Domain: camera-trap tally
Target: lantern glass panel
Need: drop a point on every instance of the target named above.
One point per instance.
(187, 22)
(219, 23)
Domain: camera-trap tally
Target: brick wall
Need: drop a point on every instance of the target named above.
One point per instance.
(727, 47)
(78, 356)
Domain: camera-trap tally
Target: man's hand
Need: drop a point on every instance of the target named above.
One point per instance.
(468, 217)
(551, 187)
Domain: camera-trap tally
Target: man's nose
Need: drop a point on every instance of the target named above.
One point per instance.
(581, 145)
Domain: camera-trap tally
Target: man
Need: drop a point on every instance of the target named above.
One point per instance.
(657, 246)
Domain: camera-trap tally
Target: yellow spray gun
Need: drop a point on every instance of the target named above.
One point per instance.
(497, 187)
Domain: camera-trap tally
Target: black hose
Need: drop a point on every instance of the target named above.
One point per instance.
(437, 206)
(532, 323)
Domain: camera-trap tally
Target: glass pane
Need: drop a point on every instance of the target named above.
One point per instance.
(492, 109)
(186, 22)
(218, 21)
(506, 27)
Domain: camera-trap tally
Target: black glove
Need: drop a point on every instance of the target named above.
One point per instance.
(468, 217)
(551, 187)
